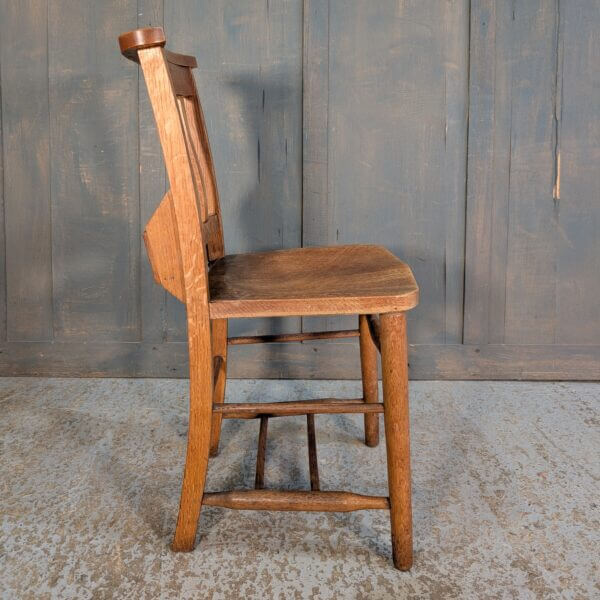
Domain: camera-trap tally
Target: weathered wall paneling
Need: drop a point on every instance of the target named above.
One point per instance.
(464, 135)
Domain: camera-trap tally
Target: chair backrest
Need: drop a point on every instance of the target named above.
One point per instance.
(185, 233)
(189, 218)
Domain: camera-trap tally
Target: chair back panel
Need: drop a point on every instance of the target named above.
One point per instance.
(200, 157)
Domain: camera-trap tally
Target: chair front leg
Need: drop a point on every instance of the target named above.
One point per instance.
(219, 348)
(394, 363)
(368, 366)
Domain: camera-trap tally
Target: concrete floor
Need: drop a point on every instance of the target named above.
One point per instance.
(505, 480)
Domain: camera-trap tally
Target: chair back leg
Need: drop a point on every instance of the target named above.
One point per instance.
(198, 443)
(368, 366)
(219, 348)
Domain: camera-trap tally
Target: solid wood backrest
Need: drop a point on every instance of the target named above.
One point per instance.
(180, 122)
(192, 119)
(185, 231)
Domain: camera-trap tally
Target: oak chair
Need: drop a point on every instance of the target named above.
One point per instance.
(184, 240)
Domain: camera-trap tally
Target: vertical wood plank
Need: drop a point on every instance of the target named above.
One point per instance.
(488, 168)
(511, 215)
(532, 230)
(152, 187)
(26, 149)
(249, 80)
(455, 34)
(394, 367)
(94, 181)
(2, 226)
(317, 216)
(396, 146)
(577, 201)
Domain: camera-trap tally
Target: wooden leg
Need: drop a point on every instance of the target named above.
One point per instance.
(397, 433)
(313, 463)
(198, 444)
(261, 454)
(219, 348)
(368, 365)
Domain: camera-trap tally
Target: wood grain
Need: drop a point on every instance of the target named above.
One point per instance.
(95, 173)
(577, 207)
(294, 501)
(368, 365)
(194, 262)
(311, 281)
(397, 434)
(219, 350)
(513, 219)
(292, 337)
(26, 145)
(253, 410)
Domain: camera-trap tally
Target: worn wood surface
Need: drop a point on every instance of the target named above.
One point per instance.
(368, 367)
(394, 355)
(360, 136)
(293, 500)
(311, 281)
(253, 410)
(188, 205)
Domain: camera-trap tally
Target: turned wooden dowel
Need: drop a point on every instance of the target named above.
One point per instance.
(292, 337)
(368, 365)
(252, 410)
(259, 481)
(394, 365)
(294, 500)
(313, 464)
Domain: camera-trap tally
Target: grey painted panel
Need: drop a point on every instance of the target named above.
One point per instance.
(512, 236)
(26, 150)
(532, 231)
(94, 142)
(319, 360)
(489, 168)
(380, 91)
(578, 201)
(2, 226)
(396, 145)
(249, 78)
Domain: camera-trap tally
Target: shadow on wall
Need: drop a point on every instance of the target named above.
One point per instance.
(258, 208)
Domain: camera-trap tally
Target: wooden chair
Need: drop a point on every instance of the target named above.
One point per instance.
(184, 239)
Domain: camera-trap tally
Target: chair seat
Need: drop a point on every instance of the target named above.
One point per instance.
(357, 279)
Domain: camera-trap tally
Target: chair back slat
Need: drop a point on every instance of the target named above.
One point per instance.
(201, 162)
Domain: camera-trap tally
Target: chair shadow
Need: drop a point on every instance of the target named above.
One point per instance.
(264, 100)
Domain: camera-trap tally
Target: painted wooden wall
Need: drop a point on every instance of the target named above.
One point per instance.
(464, 135)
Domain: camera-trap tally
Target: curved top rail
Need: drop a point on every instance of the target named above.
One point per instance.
(147, 37)
(138, 39)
